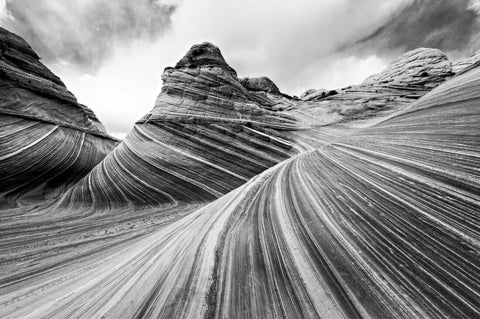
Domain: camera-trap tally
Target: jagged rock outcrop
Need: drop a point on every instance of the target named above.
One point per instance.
(47, 139)
(206, 135)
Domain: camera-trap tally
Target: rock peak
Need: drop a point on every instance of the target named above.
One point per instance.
(204, 54)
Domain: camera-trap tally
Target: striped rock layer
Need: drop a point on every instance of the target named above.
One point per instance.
(206, 135)
(217, 206)
(47, 139)
(405, 79)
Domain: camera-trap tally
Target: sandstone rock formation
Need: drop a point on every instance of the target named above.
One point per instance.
(406, 78)
(421, 68)
(47, 139)
(263, 88)
(218, 206)
(314, 94)
(206, 135)
(464, 64)
(30, 90)
(263, 84)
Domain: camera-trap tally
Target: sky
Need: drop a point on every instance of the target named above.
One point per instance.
(111, 53)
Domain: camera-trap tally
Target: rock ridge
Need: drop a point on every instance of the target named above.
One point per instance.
(29, 89)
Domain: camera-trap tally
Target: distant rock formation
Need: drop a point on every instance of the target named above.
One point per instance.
(311, 91)
(407, 78)
(422, 68)
(262, 88)
(47, 139)
(260, 84)
(206, 135)
(464, 64)
(314, 94)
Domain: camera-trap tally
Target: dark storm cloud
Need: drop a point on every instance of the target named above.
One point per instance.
(450, 25)
(85, 32)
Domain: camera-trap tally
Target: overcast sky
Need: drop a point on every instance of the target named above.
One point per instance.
(111, 53)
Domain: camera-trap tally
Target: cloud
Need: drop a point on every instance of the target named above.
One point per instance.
(84, 33)
(299, 44)
(450, 25)
(124, 88)
(105, 51)
(283, 41)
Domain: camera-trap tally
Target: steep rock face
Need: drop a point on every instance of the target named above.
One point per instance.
(206, 135)
(47, 139)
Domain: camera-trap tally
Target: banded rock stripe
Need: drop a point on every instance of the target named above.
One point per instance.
(48, 141)
(206, 135)
(376, 218)
(372, 225)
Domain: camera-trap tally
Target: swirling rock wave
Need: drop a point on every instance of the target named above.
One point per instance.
(48, 141)
(206, 135)
(373, 218)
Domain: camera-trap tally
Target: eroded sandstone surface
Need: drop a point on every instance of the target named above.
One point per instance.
(230, 199)
(206, 135)
(48, 140)
(406, 78)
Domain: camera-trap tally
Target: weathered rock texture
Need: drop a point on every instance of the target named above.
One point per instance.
(421, 68)
(262, 84)
(311, 94)
(29, 90)
(464, 64)
(407, 78)
(375, 218)
(206, 135)
(47, 139)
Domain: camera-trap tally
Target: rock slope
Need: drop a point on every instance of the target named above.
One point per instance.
(464, 64)
(31, 91)
(406, 78)
(374, 218)
(420, 68)
(206, 135)
(47, 140)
